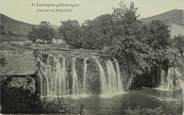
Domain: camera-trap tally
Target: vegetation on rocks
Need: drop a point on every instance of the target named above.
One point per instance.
(138, 46)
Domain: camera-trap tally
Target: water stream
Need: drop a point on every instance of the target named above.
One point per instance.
(56, 81)
(171, 80)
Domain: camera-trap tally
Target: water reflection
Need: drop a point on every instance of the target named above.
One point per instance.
(146, 99)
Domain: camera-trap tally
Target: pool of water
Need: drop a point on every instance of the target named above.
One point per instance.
(168, 102)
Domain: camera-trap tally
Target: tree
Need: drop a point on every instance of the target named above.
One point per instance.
(158, 40)
(32, 35)
(178, 42)
(44, 32)
(98, 32)
(178, 47)
(128, 44)
(160, 35)
(138, 46)
(72, 33)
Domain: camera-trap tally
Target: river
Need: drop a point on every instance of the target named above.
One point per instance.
(150, 101)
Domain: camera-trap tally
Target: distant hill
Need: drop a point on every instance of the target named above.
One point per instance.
(18, 29)
(173, 18)
(170, 17)
(14, 26)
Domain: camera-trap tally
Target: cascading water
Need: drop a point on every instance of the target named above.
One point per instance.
(172, 80)
(163, 83)
(119, 79)
(54, 79)
(181, 81)
(43, 78)
(75, 79)
(48, 72)
(111, 79)
(56, 82)
(55, 75)
(103, 80)
(79, 86)
(60, 82)
(111, 83)
(41, 74)
(114, 77)
(85, 76)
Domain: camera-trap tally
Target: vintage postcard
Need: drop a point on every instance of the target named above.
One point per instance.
(92, 57)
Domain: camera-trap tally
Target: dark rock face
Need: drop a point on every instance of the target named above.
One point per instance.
(18, 95)
(150, 79)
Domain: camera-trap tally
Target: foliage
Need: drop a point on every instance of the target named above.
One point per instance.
(178, 43)
(98, 32)
(71, 32)
(137, 45)
(44, 32)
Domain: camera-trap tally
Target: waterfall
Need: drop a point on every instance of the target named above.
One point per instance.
(75, 79)
(172, 80)
(48, 73)
(119, 79)
(60, 82)
(44, 69)
(40, 74)
(163, 83)
(181, 80)
(103, 80)
(112, 82)
(85, 76)
(56, 82)
(54, 78)
(79, 86)
(55, 75)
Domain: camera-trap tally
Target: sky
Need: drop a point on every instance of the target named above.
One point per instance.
(23, 10)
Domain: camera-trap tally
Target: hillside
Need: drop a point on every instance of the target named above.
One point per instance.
(15, 30)
(169, 17)
(173, 18)
(14, 26)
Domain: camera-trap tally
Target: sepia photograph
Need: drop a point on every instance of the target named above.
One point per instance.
(92, 57)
